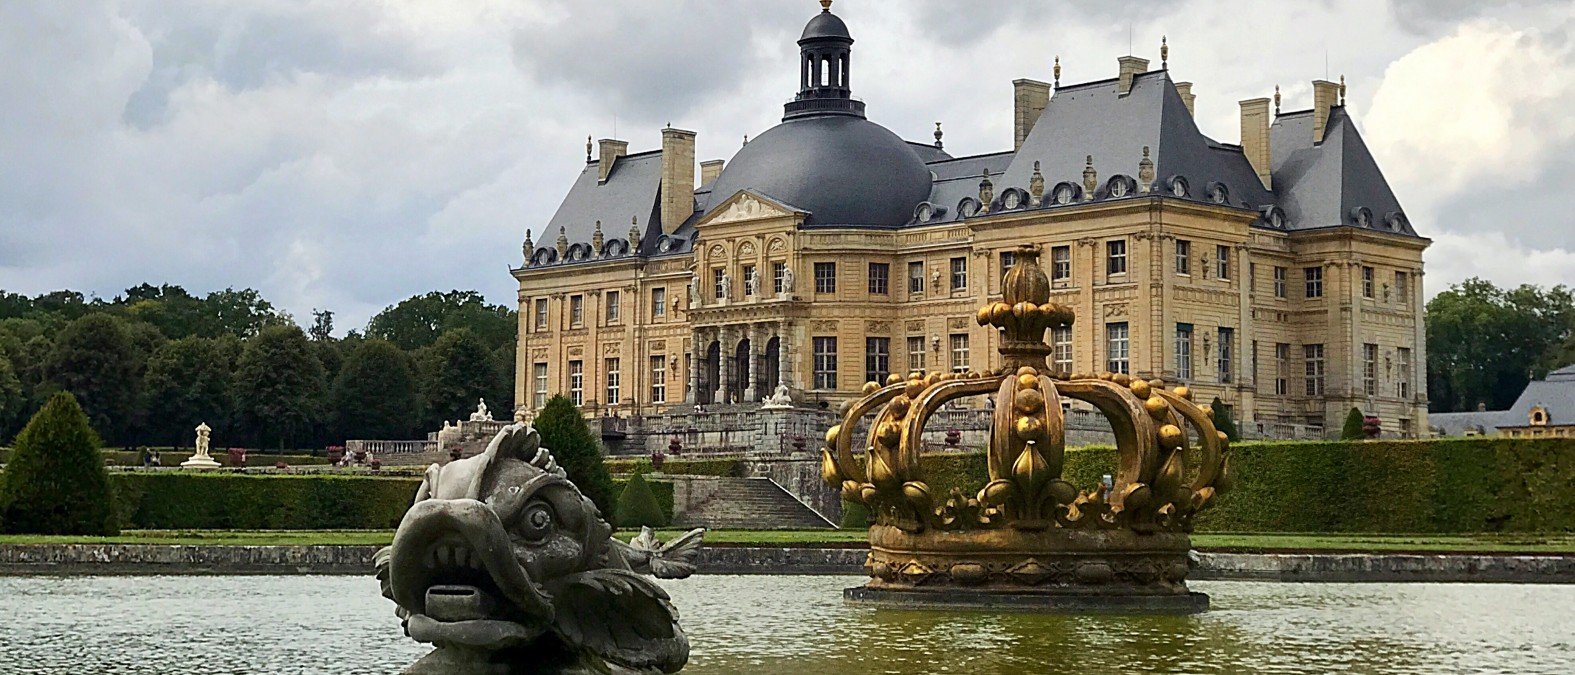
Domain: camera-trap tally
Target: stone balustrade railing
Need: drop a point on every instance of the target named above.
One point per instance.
(376, 448)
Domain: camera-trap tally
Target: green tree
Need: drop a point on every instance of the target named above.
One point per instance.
(563, 431)
(455, 371)
(1222, 420)
(279, 387)
(55, 482)
(1484, 343)
(1352, 430)
(322, 328)
(421, 320)
(94, 359)
(12, 401)
(375, 394)
(637, 505)
(243, 313)
(188, 383)
(855, 516)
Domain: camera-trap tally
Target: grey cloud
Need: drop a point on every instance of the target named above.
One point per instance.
(1432, 17)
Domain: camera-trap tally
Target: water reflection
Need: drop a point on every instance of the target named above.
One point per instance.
(799, 625)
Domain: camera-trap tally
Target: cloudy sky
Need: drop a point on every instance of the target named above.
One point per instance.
(346, 154)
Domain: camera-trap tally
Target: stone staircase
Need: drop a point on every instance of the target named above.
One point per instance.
(751, 504)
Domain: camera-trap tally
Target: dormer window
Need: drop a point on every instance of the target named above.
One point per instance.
(1539, 416)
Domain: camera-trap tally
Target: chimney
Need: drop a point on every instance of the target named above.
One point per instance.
(1325, 94)
(1029, 98)
(710, 169)
(678, 177)
(1130, 67)
(1255, 137)
(609, 150)
(1185, 90)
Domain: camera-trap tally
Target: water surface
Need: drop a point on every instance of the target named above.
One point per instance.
(799, 625)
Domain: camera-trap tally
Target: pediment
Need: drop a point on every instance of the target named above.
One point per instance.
(749, 205)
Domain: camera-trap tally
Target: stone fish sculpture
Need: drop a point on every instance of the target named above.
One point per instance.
(505, 567)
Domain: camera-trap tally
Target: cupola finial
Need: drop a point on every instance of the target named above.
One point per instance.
(1342, 90)
(938, 135)
(1057, 71)
(1276, 100)
(587, 149)
(1164, 53)
(825, 5)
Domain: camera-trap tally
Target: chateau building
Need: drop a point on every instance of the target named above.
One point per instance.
(1280, 275)
(1544, 409)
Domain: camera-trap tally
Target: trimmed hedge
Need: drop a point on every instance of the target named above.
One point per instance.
(1438, 485)
(637, 505)
(172, 457)
(171, 500)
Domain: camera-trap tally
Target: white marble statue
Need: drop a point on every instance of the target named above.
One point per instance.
(201, 459)
(481, 414)
(727, 286)
(694, 295)
(781, 398)
(751, 284)
(787, 280)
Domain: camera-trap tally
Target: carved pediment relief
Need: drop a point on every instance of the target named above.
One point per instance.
(747, 206)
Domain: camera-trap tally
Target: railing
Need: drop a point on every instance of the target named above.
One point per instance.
(375, 448)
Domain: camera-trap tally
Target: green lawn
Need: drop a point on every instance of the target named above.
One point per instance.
(1245, 542)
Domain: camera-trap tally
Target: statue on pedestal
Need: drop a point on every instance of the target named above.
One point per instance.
(481, 414)
(780, 398)
(727, 286)
(200, 459)
(505, 567)
(787, 281)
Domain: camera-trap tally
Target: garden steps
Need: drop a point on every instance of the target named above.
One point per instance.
(751, 504)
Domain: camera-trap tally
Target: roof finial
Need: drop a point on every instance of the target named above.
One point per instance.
(563, 241)
(1057, 71)
(1342, 89)
(1036, 186)
(1276, 100)
(986, 192)
(1164, 53)
(634, 232)
(587, 149)
(746, 139)
(937, 135)
(597, 239)
(1145, 172)
(825, 5)
(530, 246)
(1090, 179)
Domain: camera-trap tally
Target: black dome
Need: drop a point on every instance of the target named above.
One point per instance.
(844, 170)
(825, 25)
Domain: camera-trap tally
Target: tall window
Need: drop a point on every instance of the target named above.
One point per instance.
(959, 352)
(880, 278)
(541, 314)
(539, 374)
(1116, 348)
(1183, 256)
(1282, 369)
(1227, 354)
(1403, 378)
(1370, 369)
(1116, 257)
(1402, 288)
(1313, 357)
(750, 287)
(614, 306)
(1184, 351)
(1222, 261)
(960, 274)
(658, 378)
(877, 359)
(1367, 282)
(1254, 356)
(1061, 348)
(1252, 283)
(576, 310)
(1314, 278)
(825, 277)
(717, 274)
(915, 353)
(613, 380)
(1279, 282)
(778, 277)
(916, 277)
(1008, 258)
(1061, 263)
(577, 382)
(658, 303)
(825, 362)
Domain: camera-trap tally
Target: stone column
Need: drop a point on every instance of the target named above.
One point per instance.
(697, 344)
(784, 359)
(757, 359)
(724, 369)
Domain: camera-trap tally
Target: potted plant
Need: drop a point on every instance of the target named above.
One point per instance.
(953, 438)
(237, 456)
(1371, 426)
(376, 464)
(657, 458)
(336, 454)
(360, 456)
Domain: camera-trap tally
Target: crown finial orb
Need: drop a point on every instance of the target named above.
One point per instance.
(825, 5)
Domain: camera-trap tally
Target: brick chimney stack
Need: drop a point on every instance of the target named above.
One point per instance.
(1029, 99)
(1325, 96)
(609, 151)
(1131, 67)
(1255, 137)
(678, 177)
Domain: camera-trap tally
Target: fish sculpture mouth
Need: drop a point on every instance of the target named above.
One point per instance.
(452, 567)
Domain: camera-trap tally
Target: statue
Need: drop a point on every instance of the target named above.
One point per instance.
(505, 567)
(787, 281)
(751, 284)
(781, 398)
(727, 286)
(694, 295)
(200, 459)
(481, 414)
(1030, 538)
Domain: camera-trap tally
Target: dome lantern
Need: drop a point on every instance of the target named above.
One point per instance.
(825, 49)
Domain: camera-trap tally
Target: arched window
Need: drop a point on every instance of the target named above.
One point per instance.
(825, 72)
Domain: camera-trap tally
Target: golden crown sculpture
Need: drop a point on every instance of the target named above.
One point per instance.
(1030, 538)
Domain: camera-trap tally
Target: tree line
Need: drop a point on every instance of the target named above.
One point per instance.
(150, 364)
(1484, 343)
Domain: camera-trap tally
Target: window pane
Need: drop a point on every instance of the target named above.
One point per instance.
(825, 277)
(1183, 256)
(658, 378)
(916, 277)
(1116, 256)
(877, 359)
(1184, 351)
(959, 274)
(959, 345)
(825, 362)
(879, 276)
(658, 302)
(1061, 263)
(1116, 348)
(916, 353)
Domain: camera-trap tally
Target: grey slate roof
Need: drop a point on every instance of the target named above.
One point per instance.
(851, 172)
(1093, 119)
(1324, 185)
(1555, 394)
